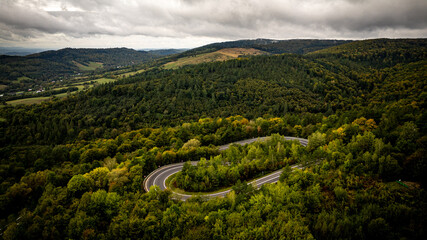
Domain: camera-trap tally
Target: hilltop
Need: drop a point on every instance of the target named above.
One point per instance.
(223, 54)
(215, 51)
(20, 73)
(298, 46)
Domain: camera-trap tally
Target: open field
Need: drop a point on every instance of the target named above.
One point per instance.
(128, 74)
(80, 86)
(28, 101)
(98, 81)
(90, 67)
(220, 55)
(104, 80)
(238, 52)
(89, 83)
(34, 100)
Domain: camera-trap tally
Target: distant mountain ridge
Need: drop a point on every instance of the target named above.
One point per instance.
(18, 51)
(165, 52)
(110, 57)
(298, 46)
(19, 72)
(212, 52)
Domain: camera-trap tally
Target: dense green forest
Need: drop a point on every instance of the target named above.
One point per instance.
(73, 168)
(238, 163)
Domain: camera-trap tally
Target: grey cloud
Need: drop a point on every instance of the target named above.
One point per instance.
(380, 14)
(227, 19)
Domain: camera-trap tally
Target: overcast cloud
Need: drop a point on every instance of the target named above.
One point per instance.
(191, 23)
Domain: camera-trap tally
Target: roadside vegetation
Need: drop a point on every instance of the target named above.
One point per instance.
(238, 163)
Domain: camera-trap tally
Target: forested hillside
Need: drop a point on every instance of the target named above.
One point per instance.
(60, 64)
(263, 85)
(19, 73)
(298, 46)
(73, 168)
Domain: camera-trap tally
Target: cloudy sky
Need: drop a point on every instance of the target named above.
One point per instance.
(191, 23)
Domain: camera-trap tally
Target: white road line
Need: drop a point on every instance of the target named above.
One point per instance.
(161, 174)
(164, 181)
(271, 178)
(154, 172)
(260, 183)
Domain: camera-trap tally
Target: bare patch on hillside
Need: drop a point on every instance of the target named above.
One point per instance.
(220, 55)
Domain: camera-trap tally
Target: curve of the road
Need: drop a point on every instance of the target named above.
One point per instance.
(158, 177)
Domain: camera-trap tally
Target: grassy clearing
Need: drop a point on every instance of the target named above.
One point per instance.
(81, 86)
(202, 58)
(220, 55)
(2, 87)
(28, 101)
(237, 52)
(35, 100)
(98, 81)
(104, 80)
(89, 67)
(90, 83)
(77, 79)
(128, 74)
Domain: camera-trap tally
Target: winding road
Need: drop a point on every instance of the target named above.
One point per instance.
(158, 177)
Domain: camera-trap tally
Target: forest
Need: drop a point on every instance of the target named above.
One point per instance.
(73, 168)
(297, 46)
(238, 163)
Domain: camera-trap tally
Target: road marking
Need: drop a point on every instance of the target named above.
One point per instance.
(155, 179)
(259, 182)
(147, 179)
(164, 181)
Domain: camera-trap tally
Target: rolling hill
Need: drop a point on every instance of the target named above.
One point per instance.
(165, 52)
(20, 72)
(298, 46)
(220, 55)
(218, 51)
(322, 82)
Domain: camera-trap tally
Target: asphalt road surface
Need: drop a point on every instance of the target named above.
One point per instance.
(158, 177)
